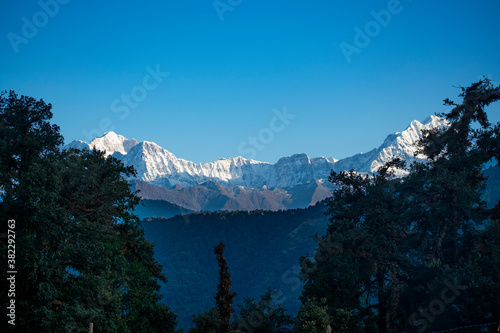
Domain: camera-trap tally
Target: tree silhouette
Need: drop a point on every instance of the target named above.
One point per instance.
(82, 256)
(224, 297)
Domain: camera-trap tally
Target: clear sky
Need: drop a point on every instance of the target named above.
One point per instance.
(347, 72)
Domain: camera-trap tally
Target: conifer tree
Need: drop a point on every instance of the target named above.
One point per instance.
(421, 252)
(81, 253)
(224, 297)
(458, 240)
(359, 263)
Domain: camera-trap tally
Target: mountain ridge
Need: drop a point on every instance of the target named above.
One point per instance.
(243, 180)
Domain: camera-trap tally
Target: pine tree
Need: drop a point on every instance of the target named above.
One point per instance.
(458, 239)
(421, 252)
(82, 256)
(224, 297)
(359, 263)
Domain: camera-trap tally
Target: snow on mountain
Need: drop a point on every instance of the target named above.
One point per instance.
(399, 144)
(110, 142)
(157, 166)
(77, 144)
(403, 145)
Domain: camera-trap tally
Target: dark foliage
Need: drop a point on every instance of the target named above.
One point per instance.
(420, 252)
(224, 297)
(263, 316)
(206, 322)
(81, 253)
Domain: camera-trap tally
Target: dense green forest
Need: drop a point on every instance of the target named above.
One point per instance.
(419, 253)
(262, 250)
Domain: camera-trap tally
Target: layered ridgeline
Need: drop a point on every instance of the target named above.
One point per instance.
(244, 184)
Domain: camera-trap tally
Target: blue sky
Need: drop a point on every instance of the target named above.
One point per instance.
(231, 64)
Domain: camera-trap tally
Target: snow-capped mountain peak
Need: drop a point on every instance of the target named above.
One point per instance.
(157, 166)
(112, 142)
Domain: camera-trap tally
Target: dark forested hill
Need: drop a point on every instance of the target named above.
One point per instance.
(160, 208)
(262, 250)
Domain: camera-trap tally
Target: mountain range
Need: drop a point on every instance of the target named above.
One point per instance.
(237, 183)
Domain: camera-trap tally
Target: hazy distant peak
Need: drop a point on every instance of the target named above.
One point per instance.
(77, 144)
